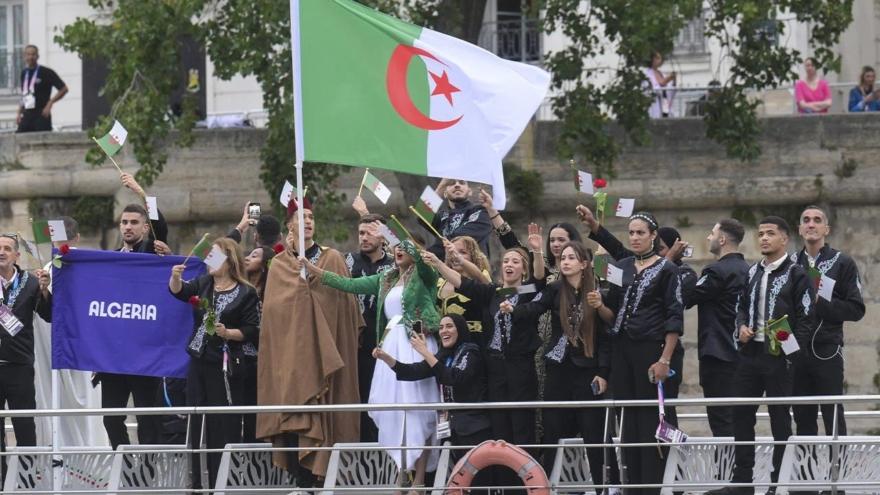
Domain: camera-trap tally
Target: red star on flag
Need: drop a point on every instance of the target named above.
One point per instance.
(442, 86)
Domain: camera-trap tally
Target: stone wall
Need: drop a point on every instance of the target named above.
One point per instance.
(682, 177)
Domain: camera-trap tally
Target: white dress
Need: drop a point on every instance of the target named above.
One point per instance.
(418, 428)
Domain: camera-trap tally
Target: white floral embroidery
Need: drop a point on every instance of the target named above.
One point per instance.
(223, 300)
(503, 324)
(775, 290)
(806, 303)
(452, 223)
(14, 294)
(753, 270)
(647, 277)
(461, 360)
(859, 283)
(702, 279)
(474, 216)
(538, 297)
(752, 300)
(678, 292)
(349, 262)
(558, 352)
(793, 257)
(826, 265)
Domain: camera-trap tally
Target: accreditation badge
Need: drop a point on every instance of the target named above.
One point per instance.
(28, 101)
(444, 431)
(8, 321)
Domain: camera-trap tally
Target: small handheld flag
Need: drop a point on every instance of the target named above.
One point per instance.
(286, 193)
(112, 142)
(152, 207)
(200, 250)
(376, 186)
(216, 257)
(41, 232)
(429, 203)
(389, 235)
(583, 181)
(624, 207)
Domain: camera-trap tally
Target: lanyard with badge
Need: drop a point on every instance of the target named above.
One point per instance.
(28, 100)
(444, 430)
(8, 320)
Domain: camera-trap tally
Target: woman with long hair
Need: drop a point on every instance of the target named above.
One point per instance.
(226, 326)
(405, 296)
(645, 319)
(579, 361)
(256, 268)
(812, 94)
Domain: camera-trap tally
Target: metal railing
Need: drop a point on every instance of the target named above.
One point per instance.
(515, 39)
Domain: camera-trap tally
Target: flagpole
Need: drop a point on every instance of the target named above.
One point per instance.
(298, 124)
(364, 179)
(108, 156)
(427, 224)
(56, 432)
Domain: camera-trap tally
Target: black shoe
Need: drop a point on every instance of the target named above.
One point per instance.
(731, 490)
(771, 491)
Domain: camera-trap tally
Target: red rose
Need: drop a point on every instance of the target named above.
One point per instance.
(600, 183)
(782, 335)
(278, 248)
(194, 301)
(64, 249)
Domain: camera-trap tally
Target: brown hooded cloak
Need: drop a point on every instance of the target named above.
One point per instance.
(308, 355)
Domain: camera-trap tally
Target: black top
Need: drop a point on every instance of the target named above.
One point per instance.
(561, 348)
(360, 265)
(789, 292)
(615, 249)
(236, 308)
(502, 335)
(649, 305)
(846, 299)
(716, 295)
(462, 376)
(24, 294)
(158, 230)
(46, 80)
(465, 219)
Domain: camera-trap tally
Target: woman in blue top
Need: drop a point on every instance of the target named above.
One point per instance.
(864, 98)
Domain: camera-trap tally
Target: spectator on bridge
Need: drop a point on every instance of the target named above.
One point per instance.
(812, 94)
(662, 87)
(864, 98)
(35, 109)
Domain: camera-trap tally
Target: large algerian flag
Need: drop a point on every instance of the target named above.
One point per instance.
(374, 91)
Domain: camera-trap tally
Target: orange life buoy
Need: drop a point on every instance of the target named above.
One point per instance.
(498, 453)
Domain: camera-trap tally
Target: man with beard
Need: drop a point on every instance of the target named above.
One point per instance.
(777, 287)
(307, 354)
(459, 217)
(139, 235)
(715, 295)
(820, 371)
(370, 259)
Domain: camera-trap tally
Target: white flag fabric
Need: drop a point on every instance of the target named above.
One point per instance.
(625, 207)
(215, 258)
(826, 287)
(585, 182)
(152, 208)
(57, 232)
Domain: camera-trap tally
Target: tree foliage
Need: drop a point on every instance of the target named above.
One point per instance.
(141, 40)
(746, 31)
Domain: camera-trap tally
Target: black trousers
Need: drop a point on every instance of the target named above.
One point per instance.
(366, 366)
(17, 392)
(815, 376)
(205, 387)
(115, 391)
(33, 121)
(512, 380)
(630, 362)
(567, 382)
(758, 373)
(716, 378)
(249, 398)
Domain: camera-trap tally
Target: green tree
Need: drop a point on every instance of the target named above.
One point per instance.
(746, 30)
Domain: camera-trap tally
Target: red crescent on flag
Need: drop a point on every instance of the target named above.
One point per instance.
(398, 92)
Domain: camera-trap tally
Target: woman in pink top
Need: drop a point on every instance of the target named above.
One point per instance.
(812, 94)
